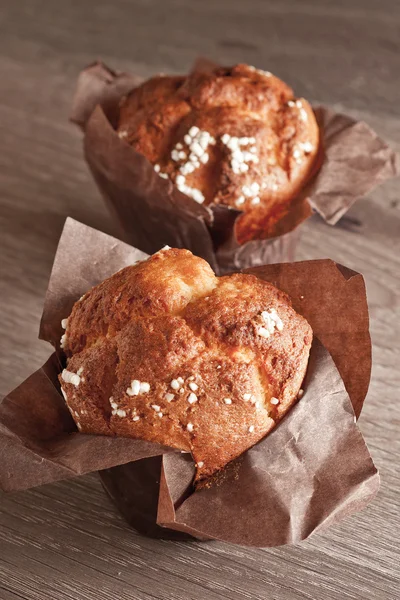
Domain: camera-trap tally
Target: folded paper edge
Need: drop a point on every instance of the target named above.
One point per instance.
(390, 167)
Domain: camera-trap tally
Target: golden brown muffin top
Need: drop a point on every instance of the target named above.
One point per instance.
(236, 136)
(166, 351)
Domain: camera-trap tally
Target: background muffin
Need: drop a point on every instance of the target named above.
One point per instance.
(236, 136)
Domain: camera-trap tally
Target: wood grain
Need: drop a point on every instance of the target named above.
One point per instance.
(66, 541)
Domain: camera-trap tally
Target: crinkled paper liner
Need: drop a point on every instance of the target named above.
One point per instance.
(152, 212)
(313, 469)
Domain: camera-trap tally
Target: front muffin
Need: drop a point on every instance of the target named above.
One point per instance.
(203, 364)
(236, 136)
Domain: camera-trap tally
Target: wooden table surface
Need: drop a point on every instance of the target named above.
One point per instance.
(66, 540)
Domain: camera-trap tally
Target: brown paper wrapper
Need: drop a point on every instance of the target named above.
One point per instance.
(152, 212)
(313, 469)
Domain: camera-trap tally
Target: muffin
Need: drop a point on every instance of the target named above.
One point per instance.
(167, 352)
(234, 136)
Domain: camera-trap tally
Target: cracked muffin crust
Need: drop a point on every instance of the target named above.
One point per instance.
(236, 136)
(166, 351)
